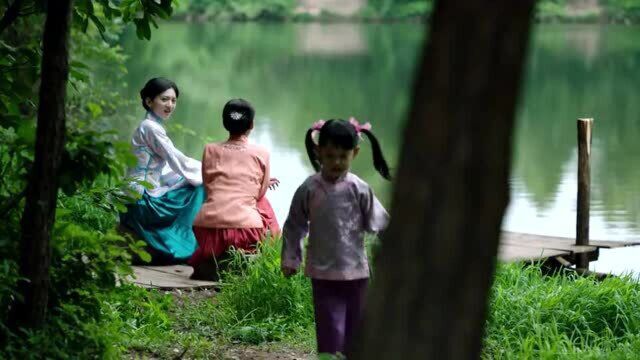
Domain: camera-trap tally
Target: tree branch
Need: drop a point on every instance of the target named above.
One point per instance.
(10, 15)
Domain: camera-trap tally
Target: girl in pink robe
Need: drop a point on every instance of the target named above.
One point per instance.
(236, 177)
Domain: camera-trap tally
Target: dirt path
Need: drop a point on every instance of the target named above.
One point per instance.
(259, 353)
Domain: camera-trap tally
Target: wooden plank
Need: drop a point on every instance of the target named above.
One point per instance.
(164, 279)
(608, 244)
(183, 270)
(508, 236)
(508, 253)
(574, 249)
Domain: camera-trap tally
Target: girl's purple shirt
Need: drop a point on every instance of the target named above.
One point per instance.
(336, 217)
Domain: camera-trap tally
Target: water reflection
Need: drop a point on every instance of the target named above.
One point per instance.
(297, 73)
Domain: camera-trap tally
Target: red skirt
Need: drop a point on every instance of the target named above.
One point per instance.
(213, 242)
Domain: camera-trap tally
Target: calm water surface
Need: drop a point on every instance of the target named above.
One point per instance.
(295, 74)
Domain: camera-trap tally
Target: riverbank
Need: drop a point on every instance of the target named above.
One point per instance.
(548, 11)
(260, 314)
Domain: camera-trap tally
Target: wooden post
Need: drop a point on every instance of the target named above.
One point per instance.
(584, 188)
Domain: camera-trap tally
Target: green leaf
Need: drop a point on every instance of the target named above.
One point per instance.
(12, 108)
(61, 212)
(144, 256)
(77, 75)
(95, 109)
(79, 65)
(162, 13)
(120, 208)
(146, 29)
(97, 23)
(147, 185)
(85, 24)
(142, 29)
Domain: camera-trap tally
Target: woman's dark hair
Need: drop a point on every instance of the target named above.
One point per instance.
(237, 116)
(155, 87)
(342, 134)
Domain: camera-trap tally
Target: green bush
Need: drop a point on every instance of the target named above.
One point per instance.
(397, 9)
(88, 257)
(622, 10)
(237, 9)
(549, 10)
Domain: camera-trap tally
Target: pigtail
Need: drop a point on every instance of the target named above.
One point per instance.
(311, 150)
(378, 159)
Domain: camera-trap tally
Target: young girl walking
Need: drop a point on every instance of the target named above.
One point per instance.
(335, 208)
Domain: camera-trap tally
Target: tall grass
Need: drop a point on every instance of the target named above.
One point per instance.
(258, 304)
(538, 316)
(531, 315)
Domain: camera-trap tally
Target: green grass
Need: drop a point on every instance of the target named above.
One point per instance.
(150, 323)
(258, 304)
(531, 315)
(538, 316)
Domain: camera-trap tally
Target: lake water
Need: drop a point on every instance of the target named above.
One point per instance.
(295, 74)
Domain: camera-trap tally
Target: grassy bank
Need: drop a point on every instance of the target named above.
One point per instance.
(562, 11)
(531, 316)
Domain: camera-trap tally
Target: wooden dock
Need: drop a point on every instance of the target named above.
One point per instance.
(529, 247)
(513, 247)
(168, 277)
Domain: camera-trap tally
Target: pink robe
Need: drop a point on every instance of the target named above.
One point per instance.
(236, 213)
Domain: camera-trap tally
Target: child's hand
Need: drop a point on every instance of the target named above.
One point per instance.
(288, 271)
(273, 183)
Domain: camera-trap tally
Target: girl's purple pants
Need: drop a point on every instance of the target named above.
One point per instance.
(338, 307)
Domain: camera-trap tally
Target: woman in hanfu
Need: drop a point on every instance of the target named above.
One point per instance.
(163, 216)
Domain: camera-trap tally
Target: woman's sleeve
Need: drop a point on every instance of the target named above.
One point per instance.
(158, 141)
(376, 217)
(295, 229)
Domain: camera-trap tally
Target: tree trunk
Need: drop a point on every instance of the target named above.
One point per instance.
(40, 204)
(434, 270)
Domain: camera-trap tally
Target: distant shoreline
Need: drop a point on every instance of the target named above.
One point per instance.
(191, 18)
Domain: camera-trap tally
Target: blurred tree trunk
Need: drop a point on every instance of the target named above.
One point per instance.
(434, 270)
(42, 189)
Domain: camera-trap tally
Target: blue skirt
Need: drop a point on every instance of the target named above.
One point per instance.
(165, 222)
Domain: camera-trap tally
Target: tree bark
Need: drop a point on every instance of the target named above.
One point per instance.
(42, 189)
(434, 269)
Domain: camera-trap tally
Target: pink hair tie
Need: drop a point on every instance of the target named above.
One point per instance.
(317, 125)
(359, 128)
(315, 133)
